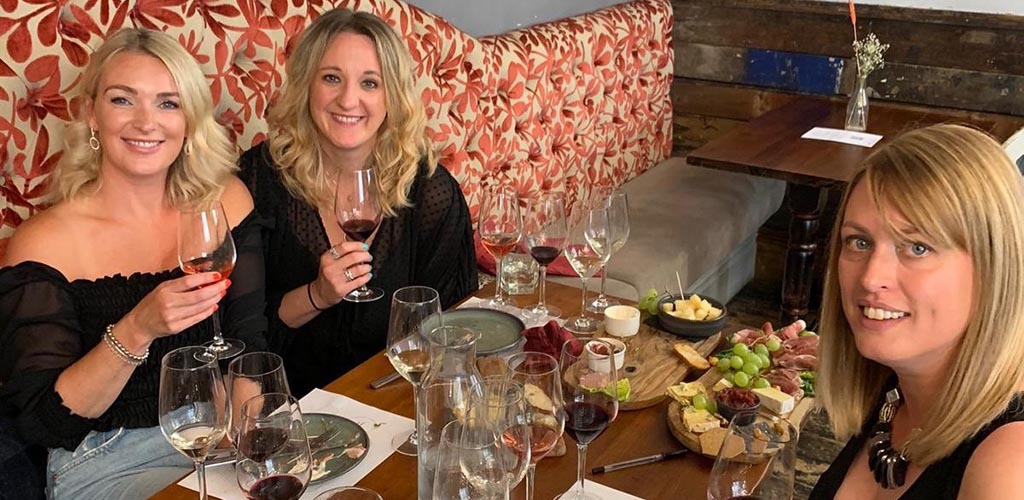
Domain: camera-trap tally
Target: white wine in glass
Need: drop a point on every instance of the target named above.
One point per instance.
(413, 308)
(587, 250)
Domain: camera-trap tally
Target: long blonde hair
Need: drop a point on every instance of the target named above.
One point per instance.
(957, 187)
(400, 144)
(198, 176)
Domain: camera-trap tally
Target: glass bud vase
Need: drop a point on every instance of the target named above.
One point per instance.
(857, 108)
(444, 395)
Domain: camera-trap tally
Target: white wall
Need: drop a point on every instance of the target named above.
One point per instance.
(488, 17)
(990, 6)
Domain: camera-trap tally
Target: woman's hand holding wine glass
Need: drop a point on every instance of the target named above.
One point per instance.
(359, 213)
(172, 307)
(332, 284)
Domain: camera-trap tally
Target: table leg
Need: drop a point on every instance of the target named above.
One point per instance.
(805, 205)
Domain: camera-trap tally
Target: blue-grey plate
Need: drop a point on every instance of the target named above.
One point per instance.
(499, 331)
(329, 459)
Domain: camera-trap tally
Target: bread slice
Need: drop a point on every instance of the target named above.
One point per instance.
(691, 356)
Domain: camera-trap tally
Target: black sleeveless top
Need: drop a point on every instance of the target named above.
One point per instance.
(939, 480)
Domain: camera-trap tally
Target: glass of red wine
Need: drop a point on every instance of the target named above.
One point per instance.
(756, 460)
(546, 231)
(359, 212)
(274, 462)
(590, 391)
(205, 245)
(250, 375)
(500, 228)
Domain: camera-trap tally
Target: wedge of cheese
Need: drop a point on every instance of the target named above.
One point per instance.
(685, 391)
(722, 384)
(699, 421)
(775, 400)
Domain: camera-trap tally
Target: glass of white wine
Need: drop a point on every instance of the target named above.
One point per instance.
(412, 309)
(194, 413)
(587, 249)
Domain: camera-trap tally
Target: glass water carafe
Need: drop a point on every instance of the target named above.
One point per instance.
(444, 395)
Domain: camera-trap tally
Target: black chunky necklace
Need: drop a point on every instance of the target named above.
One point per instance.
(888, 466)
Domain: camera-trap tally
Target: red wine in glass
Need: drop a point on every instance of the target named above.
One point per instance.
(281, 487)
(260, 444)
(544, 255)
(586, 420)
(359, 229)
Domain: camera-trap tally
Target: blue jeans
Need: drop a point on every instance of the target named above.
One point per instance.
(127, 464)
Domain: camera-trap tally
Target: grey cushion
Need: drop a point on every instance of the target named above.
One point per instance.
(689, 219)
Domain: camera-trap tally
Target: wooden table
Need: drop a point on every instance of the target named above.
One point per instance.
(633, 434)
(770, 146)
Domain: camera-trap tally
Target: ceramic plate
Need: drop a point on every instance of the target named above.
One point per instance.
(340, 453)
(498, 330)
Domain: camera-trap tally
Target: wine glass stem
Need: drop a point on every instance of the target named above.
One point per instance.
(201, 476)
(414, 437)
(583, 300)
(498, 296)
(531, 473)
(581, 466)
(603, 274)
(543, 277)
(218, 339)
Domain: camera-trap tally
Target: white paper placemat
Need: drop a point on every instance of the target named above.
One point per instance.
(515, 311)
(221, 482)
(861, 139)
(606, 492)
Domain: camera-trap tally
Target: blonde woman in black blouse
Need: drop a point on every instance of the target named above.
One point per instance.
(348, 104)
(91, 296)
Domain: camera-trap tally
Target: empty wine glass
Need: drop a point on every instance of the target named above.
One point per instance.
(545, 231)
(542, 387)
(250, 375)
(274, 461)
(413, 308)
(359, 212)
(591, 402)
(756, 460)
(587, 249)
(205, 245)
(194, 413)
(500, 228)
(615, 201)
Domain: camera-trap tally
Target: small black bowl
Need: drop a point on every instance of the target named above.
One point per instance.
(728, 411)
(687, 327)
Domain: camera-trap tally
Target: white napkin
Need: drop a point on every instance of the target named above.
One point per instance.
(606, 492)
(221, 482)
(529, 321)
(861, 139)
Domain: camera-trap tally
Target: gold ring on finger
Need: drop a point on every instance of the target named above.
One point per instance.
(348, 274)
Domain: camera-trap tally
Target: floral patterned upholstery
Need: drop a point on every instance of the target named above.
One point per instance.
(563, 105)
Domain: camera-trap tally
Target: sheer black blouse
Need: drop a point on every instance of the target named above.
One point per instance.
(941, 479)
(47, 323)
(429, 244)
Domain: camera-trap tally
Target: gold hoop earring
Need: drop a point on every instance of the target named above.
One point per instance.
(94, 143)
(188, 147)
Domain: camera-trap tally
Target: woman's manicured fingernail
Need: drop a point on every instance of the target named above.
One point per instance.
(371, 258)
(371, 275)
(227, 283)
(366, 247)
(216, 276)
(215, 307)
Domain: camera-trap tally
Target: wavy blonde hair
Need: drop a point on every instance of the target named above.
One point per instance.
(401, 142)
(198, 176)
(957, 187)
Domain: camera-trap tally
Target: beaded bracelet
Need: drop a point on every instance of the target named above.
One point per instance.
(120, 350)
(309, 293)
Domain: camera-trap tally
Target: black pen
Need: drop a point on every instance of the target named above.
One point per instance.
(637, 461)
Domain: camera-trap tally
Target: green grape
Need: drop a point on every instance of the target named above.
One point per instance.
(730, 376)
(700, 402)
(712, 407)
(752, 359)
(751, 368)
(724, 365)
(741, 379)
(761, 349)
(740, 349)
(774, 344)
(766, 362)
(736, 362)
(651, 292)
(761, 383)
(653, 308)
(807, 333)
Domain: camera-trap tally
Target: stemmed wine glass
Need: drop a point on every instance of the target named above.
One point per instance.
(194, 410)
(413, 308)
(542, 387)
(499, 403)
(359, 212)
(591, 401)
(545, 231)
(469, 463)
(616, 203)
(587, 249)
(274, 461)
(250, 375)
(500, 227)
(205, 245)
(756, 460)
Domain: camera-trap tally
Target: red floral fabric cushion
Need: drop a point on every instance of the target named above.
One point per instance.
(562, 105)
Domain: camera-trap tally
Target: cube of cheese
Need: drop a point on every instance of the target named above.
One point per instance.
(722, 384)
(667, 307)
(714, 313)
(698, 421)
(695, 300)
(679, 304)
(775, 400)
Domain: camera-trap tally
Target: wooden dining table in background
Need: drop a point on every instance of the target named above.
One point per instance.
(771, 146)
(633, 434)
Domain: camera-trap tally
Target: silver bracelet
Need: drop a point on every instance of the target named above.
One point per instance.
(122, 351)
